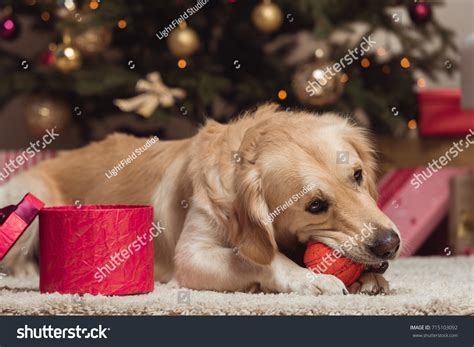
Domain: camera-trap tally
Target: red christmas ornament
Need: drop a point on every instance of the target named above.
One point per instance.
(9, 28)
(47, 58)
(420, 13)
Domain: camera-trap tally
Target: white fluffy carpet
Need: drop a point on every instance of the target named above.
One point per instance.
(419, 286)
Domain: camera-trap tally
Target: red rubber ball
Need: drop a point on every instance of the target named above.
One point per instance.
(322, 259)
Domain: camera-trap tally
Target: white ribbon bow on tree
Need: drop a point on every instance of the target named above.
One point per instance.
(154, 94)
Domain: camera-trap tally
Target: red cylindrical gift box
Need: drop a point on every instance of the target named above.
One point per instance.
(97, 249)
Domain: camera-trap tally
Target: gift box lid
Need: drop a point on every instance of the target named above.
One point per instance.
(15, 219)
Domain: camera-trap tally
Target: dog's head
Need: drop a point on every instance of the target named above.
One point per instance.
(305, 177)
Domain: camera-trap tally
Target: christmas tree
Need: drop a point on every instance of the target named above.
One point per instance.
(195, 59)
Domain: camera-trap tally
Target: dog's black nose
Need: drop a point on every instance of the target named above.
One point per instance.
(386, 244)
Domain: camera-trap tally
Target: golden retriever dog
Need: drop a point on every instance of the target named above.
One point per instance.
(221, 195)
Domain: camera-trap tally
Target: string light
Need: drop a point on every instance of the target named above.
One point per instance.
(94, 5)
(122, 24)
(381, 51)
(386, 69)
(69, 52)
(405, 63)
(344, 78)
(282, 94)
(412, 124)
(182, 63)
(319, 53)
(45, 16)
(365, 63)
(70, 5)
(421, 83)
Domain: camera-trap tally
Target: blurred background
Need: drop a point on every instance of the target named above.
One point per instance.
(93, 67)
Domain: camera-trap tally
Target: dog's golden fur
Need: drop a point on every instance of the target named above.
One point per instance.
(214, 191)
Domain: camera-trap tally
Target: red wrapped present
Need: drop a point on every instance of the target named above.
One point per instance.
(441, 113)
(416, 202)
(97, 249)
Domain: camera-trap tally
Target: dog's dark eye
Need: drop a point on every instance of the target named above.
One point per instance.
(358, 176)
(317, 206)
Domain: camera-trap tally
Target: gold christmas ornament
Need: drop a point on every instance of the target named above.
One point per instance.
(44, 112)
(154, 94)
(67, 57)
(183, 41)
(317, 83)
(92, 41)
(267, 17)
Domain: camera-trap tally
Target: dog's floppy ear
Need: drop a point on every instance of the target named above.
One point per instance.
(250, 229)
(360, 140)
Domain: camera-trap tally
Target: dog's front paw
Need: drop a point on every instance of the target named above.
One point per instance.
(314, 284)
(370, 283)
